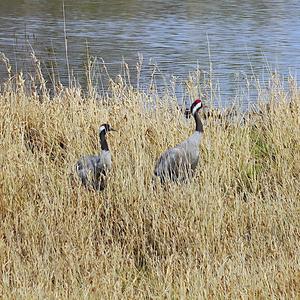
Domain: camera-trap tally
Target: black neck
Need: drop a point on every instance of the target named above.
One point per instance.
(199, 125)
(103, 142)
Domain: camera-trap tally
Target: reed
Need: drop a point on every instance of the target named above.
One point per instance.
(232, 232)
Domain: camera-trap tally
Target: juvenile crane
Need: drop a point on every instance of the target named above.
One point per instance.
(92, 169)
(179, 163)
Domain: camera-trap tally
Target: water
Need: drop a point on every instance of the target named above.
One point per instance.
(235, 39)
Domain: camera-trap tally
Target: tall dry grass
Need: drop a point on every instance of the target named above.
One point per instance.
(233, 232)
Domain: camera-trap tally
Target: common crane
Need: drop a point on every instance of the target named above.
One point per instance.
(92, 169)
(179, 163)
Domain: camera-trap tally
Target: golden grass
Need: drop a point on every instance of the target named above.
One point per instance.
(233, 232)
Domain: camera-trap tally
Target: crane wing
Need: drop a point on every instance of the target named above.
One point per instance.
(172, 165)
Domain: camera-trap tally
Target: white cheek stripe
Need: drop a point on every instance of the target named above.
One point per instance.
(199, 105)
(101, 128)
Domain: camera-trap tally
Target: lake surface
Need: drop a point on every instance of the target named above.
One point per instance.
(233, 39)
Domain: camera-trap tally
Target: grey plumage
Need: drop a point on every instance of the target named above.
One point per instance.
(179, 163)
(92, 170)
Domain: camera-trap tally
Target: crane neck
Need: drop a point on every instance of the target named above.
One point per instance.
(199, 125)
(103, 141)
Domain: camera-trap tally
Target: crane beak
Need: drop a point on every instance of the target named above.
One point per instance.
(187, 113)
(112, 129)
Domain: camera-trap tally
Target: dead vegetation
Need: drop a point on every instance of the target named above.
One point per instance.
(233, 232)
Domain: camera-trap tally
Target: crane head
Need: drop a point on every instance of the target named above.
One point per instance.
(196, 106)
(106, 128)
